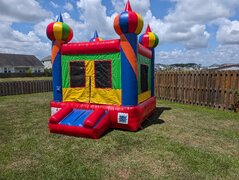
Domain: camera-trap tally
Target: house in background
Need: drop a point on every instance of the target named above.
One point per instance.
(224, 67)
(46, 61)
(17, 63)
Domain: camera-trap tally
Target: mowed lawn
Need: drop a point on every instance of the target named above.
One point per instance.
(24, 79)
(178, 142)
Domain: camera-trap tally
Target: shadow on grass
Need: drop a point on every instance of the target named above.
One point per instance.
(154, 118)
(108, 131)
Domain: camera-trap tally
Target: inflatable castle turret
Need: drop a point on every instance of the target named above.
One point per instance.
(102, 84)
(150, 40)
(128, 25)
(59, 33)
(96, 37)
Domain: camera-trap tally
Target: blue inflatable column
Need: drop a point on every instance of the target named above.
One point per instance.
(56, 72)
(128, 25)
(152, 72)
(129, 69)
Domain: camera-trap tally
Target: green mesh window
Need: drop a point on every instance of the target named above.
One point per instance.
(77, 74)
(144, 72)
(103, 74)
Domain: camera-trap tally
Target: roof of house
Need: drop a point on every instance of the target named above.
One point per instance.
(225, 67)
(19, 60)
(48, 58)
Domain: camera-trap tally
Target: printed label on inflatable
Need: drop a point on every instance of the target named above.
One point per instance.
(123, 118)
(54, 110)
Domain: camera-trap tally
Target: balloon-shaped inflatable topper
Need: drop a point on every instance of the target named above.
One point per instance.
(128, 21)
(96, 38)
(149, 39)
(59, 31)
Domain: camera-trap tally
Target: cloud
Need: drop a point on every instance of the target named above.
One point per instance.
(178, 56)
(54, 5)
(68, 6)
(94, 17)
(40, 28)
(139, 6)
(228, 32)
(13, 41)
(79, 29)
(197, 11)
(24, 11)
(222, 54)
(174, 27)
(118, 5)
(186, 23)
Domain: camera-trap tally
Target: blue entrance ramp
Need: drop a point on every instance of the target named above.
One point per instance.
(78, 122)
(76, 117)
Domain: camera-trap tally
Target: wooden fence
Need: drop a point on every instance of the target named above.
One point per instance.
(25, 87)
(217, 89)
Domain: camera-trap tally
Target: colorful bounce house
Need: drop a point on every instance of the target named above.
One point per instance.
(102, 84)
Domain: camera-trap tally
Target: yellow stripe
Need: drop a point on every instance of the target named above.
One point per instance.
(140, 24)
(57, 30)
(152, 39)
(89, 65)
(89, 74)
(144, 96)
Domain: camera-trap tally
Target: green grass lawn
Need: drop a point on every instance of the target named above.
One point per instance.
(178, 142)
(24, 79)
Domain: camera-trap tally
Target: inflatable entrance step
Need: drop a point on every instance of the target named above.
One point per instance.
(79, 122)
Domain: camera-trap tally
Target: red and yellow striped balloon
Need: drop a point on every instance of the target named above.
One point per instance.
(59, 31)
(149, 39)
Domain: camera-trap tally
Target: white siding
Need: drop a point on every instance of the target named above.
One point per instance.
(37, 70)
(22, 69)
(47, 64)
(7, 70)
(42, 70)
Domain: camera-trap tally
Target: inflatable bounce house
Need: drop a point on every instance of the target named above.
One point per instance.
(102, 84)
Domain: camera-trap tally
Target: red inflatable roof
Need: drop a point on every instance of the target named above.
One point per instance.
(108, 46)
(100, 47)
(145, 51)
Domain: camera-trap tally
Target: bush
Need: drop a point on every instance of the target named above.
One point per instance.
(48, 72)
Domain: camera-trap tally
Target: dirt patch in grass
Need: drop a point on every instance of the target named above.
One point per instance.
(22, 164)
(124, 173)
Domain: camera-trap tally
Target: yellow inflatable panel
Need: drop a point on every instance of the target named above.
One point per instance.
(75, 94)
(144, 96)
(106, 96)
(97, 96)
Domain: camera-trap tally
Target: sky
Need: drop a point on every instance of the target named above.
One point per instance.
(205, 32)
